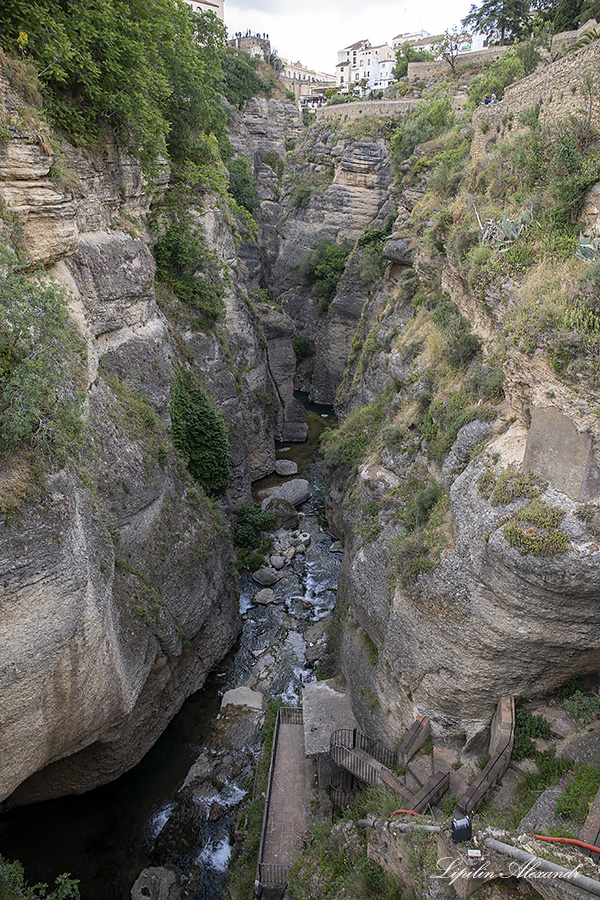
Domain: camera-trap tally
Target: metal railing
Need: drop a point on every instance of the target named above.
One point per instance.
(271, 873)
(291, 715)
(287, 715)
(494, 770)
(341, 789)
(352, 739)
(342, 756)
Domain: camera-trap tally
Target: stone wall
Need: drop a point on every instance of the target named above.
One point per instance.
(560, 42)
(420, 70)
(384, 109)
(556, 87)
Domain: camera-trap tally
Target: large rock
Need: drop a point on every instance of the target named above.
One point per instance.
(287, 515)
(156, 883)
(286, 467)
(267, 575)
(296, 491)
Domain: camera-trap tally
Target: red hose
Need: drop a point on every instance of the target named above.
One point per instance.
(564, 840)
(407, 812)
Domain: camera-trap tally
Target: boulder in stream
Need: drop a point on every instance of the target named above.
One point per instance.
(296, 491)
(266, 576)
(264, 597)
(287, 517)
(286, 467)
(156, 883)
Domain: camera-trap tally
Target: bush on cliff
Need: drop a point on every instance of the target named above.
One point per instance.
(251, 540)
(148, 70)
(200, 434)
(190, 269)
(42, 366)
(322, 269)
(241, 183)
(430, 119)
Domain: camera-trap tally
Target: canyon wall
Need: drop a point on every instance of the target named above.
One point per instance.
(118, 584)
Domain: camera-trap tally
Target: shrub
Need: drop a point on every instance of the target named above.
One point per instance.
(346, 445)
(486, 384)
(431, 118)
(462, 346)
(241, 79)
(322, 268)
(190, 269)
(528, 726)
(137, 67)
(583, 708)
(13, 885)
(241, 183)
(200, 434)
(513, 485)
(252, 544)
(304, 347)
(535, 530)
(578, 786)
(300, 198)
(411, 557)
(42, 367)
(497, 77)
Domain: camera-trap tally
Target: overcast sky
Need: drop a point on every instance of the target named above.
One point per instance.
(312, 31)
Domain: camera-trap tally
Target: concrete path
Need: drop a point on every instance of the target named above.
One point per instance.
(286, 820)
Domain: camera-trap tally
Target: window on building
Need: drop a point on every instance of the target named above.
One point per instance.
(342, 80)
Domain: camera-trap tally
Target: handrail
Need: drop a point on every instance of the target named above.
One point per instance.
(286, 715)
(376, 749)
(364, 770)
(467, 802)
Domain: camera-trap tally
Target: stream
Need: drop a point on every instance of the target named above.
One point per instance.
(106, 837)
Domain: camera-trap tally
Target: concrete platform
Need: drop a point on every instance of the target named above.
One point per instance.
(325, 708)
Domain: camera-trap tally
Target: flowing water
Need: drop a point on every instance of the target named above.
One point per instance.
(107, 836)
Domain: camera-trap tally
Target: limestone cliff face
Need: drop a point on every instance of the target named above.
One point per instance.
(482, 620)
(118, 589)
(348, 183)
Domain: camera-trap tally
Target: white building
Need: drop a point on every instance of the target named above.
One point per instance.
(360, 62)
(215, 6)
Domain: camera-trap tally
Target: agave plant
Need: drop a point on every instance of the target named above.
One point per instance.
(589, 248)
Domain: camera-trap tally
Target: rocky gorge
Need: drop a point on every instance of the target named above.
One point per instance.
(464, 474)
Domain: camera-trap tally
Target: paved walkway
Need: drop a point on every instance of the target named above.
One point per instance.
(287, 810)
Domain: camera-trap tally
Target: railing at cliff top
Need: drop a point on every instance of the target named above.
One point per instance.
(268, 873)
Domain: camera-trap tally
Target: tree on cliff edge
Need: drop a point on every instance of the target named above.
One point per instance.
(498, 18)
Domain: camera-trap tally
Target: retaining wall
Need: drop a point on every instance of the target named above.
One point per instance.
(556, 87)
(382, 109)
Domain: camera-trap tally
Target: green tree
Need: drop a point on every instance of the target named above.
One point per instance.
(42, 366)
(322, 269)
(428, 120)
(496, 78)
(240, 78)
(405, 54)
(567, 15)
(134, 65)
(498, 19)
(200, 434)
(449, 46)
(241, 183)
